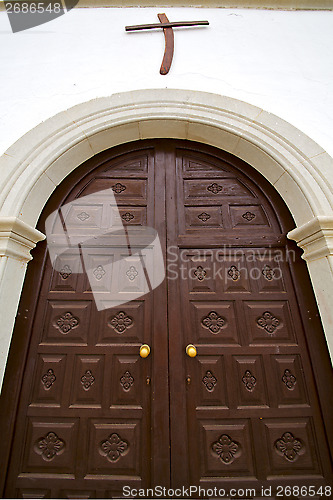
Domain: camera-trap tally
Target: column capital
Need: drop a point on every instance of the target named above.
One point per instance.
(315, 237)
(17, 238)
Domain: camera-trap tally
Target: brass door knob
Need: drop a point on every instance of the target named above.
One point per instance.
(144, 350)
(191, 351)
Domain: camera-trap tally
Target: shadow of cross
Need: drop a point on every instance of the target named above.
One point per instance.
(168, 35)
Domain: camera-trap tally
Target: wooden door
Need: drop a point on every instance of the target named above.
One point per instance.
(93, 417)
(246, 407)
(85, 423)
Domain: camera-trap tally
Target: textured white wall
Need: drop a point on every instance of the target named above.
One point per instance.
(279, 61)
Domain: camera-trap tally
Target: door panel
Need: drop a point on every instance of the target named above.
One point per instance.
(85, 413)
(251, 406)
(93, 416)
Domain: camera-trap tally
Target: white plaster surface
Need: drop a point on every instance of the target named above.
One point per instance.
(12, 272)
(321, 276)
(279, 61)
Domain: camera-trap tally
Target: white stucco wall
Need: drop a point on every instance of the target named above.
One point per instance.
(278, 61)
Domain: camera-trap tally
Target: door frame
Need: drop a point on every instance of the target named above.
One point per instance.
(293, 163)
(28, 303)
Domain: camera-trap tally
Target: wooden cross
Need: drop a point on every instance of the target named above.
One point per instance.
(168, 35)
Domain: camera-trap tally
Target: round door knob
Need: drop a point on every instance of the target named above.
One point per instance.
(191, 351)
(144, 350)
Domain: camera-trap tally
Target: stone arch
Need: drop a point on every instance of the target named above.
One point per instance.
(296, 166)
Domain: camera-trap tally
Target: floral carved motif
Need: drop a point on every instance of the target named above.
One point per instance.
(289, 446)
(268, 273)
(118, 188)
(113, 447)
(213, 322)
(214, 188)
(249, 380)
(83, 216)
(65, 272)
(48, 379)
(234, 273)
(99, 272)
(226, 449)
(132, 273)
(67, 322)
(126, 381)
(289, 379)
(204, 217)
(127, 217)
(268, 322)
(121, 322)
(87, 380)
(209, 381)
(200, 273)
(248, 216)
(49, 446)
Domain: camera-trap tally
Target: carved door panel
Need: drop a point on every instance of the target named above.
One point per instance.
(247, 400)
(93, 417)
(85, 417)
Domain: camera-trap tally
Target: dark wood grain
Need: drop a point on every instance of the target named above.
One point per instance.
(168, 35)
(169, 46)
(172, 423)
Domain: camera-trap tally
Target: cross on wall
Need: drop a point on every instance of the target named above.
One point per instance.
(167, 27)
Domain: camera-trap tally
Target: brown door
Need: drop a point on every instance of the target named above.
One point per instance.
(246, 407)
(93, 416)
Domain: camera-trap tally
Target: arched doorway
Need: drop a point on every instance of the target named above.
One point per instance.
(94, 417)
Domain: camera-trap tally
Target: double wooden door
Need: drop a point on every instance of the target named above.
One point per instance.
(93, 416)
